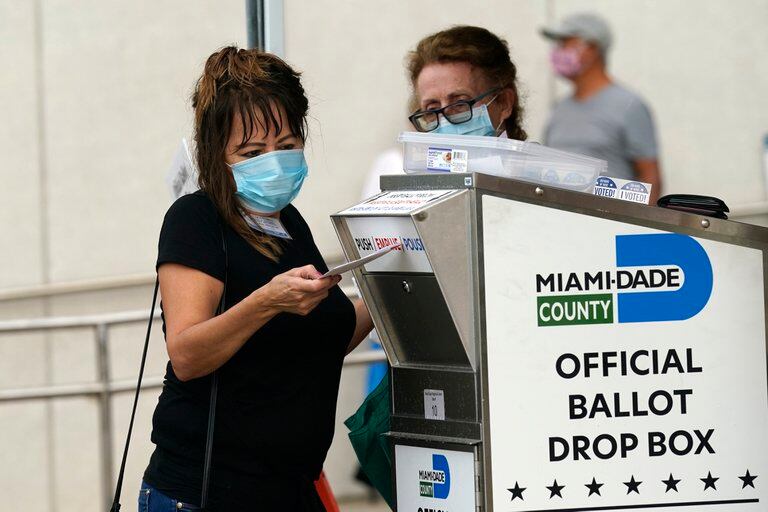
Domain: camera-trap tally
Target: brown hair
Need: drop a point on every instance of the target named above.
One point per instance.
(248, 83)
(481, 49)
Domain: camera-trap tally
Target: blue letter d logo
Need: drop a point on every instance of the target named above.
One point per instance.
(440, 463)
(664, 249)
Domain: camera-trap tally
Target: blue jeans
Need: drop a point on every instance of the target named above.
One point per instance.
(152, 500)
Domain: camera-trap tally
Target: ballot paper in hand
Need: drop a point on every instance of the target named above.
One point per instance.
(359, 262)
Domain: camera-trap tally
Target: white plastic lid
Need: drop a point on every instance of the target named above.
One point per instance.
(462, 140)
(512, 145)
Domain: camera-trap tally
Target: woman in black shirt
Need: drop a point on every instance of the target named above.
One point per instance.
(278, 348)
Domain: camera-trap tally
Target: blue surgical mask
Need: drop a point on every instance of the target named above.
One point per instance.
(268, 183)
(480, 124)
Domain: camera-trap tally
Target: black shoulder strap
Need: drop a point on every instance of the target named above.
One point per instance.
(119, 486)
(214, 388)
(212, 406)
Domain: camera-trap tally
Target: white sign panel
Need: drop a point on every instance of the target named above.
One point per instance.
(431, 480)
(370, 234)
(395, 202)
(350, 265)
(626, 366)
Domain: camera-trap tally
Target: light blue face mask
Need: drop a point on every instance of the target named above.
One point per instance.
(268, 183)
(480, 124)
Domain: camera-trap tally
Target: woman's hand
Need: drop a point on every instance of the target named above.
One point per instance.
(298, 291)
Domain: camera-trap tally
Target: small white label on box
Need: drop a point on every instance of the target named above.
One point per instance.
(439, 159)
(615, 188)
(459, 160)
(434, 404)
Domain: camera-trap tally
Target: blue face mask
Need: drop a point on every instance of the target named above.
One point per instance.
(267, 183)
(480, 124)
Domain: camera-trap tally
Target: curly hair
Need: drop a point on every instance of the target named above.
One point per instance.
(481, 49)
(249, 85)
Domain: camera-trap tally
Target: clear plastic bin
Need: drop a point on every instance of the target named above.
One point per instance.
(509, 158)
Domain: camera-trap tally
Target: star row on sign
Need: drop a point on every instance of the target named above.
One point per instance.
(710, 482)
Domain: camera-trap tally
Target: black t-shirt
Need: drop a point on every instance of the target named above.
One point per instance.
(277, 394)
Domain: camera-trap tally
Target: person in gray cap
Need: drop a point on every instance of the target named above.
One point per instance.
(601, 119)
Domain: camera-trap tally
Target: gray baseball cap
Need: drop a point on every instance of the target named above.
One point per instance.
(587, 26)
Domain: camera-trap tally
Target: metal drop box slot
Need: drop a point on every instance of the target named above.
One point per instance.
(438, 306)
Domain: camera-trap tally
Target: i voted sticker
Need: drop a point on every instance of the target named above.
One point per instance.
(615, 188)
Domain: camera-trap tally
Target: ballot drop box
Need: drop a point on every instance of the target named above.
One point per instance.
(552, 350)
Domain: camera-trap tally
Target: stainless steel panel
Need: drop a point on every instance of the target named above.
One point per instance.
(421, 440)
(579, 202)
(408, 385)
(416, 320)
(430, 181)
(420, 426)
(445, 227)
(350, 252)
(632, 213)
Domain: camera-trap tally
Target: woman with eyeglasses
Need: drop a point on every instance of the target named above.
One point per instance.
(465, 83)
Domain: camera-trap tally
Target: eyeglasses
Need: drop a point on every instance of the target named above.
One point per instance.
(455, 113)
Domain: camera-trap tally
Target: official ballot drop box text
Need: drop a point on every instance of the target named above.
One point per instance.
(557, 351)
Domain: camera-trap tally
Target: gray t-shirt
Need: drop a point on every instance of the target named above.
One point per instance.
(614, 125)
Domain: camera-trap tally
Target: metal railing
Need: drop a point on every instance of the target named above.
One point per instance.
(104, 387)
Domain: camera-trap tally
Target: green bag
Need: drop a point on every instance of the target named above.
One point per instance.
(366, 429)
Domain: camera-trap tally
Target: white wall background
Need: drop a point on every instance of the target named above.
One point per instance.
(94, 99)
